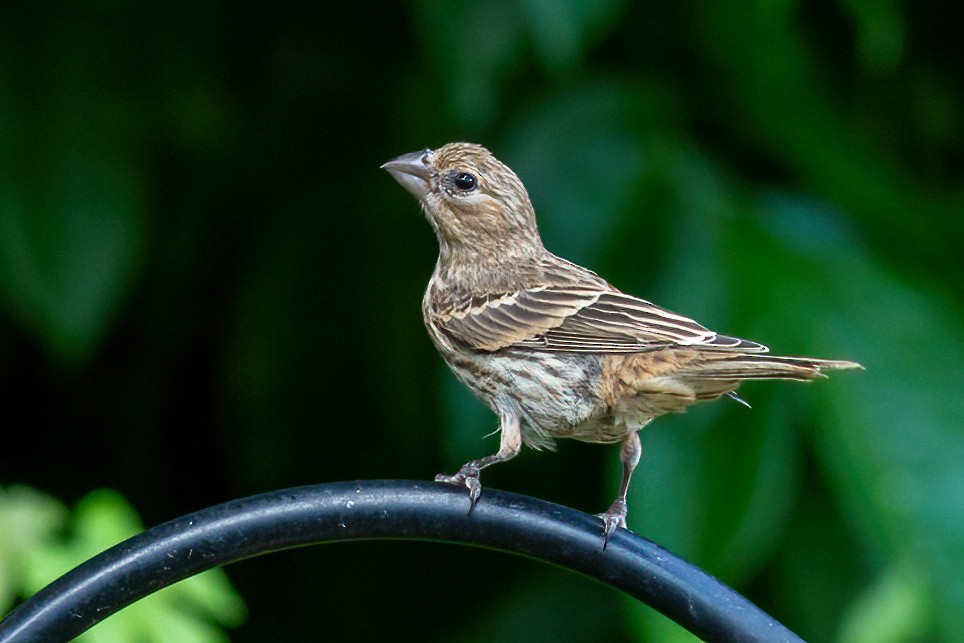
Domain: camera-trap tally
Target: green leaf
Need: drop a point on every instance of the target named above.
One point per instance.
(561, 30)
(547, 605)
(650, 625)
(818, 568)
(72, 213)
(186, 611)
(473, 61)
(28, 520)
(891, 437)
(584, 187)
(895, 609)
(784, 107)
(880, 34)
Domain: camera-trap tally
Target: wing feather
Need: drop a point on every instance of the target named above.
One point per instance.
(568, 318)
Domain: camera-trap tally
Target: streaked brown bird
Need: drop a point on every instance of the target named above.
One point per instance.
(551, 347)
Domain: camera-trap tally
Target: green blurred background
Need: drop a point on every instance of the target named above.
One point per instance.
(208, 289)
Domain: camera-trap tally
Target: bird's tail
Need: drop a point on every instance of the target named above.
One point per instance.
(762, 366)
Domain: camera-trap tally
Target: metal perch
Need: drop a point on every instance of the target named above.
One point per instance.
(389, 509)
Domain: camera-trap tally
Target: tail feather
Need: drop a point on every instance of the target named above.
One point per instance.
(763, 366)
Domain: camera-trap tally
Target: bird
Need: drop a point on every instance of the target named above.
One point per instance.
(551, 347)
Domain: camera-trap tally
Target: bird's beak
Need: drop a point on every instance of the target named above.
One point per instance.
(413, 171)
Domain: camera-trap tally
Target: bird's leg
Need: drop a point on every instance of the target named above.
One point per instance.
(509, 445)
(615, 516)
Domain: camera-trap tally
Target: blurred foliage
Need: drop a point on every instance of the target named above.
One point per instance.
(208, 288)
(40, 540)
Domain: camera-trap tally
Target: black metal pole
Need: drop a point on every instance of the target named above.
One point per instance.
(391, 509)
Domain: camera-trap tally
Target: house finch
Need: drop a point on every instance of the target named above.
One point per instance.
(551, 347)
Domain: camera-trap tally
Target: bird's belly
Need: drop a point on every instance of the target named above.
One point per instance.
(556, 395)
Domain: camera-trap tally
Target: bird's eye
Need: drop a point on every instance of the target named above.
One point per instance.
(464, 181)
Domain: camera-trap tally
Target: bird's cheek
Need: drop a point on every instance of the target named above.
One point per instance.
(490, 220)
(446, 222)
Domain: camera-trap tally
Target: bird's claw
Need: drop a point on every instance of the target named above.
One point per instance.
(613, 517)
(468, 477)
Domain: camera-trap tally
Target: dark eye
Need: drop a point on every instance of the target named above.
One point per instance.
(464, 181)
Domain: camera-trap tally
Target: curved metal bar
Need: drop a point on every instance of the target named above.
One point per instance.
(389, 509)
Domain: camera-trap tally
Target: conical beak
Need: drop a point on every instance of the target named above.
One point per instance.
(413, 171)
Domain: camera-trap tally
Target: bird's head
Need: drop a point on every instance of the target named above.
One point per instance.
(473, 201)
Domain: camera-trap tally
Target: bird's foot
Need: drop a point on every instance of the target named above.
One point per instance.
(468, 477)
(613, 517)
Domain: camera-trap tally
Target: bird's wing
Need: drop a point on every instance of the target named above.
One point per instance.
(582, 319)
